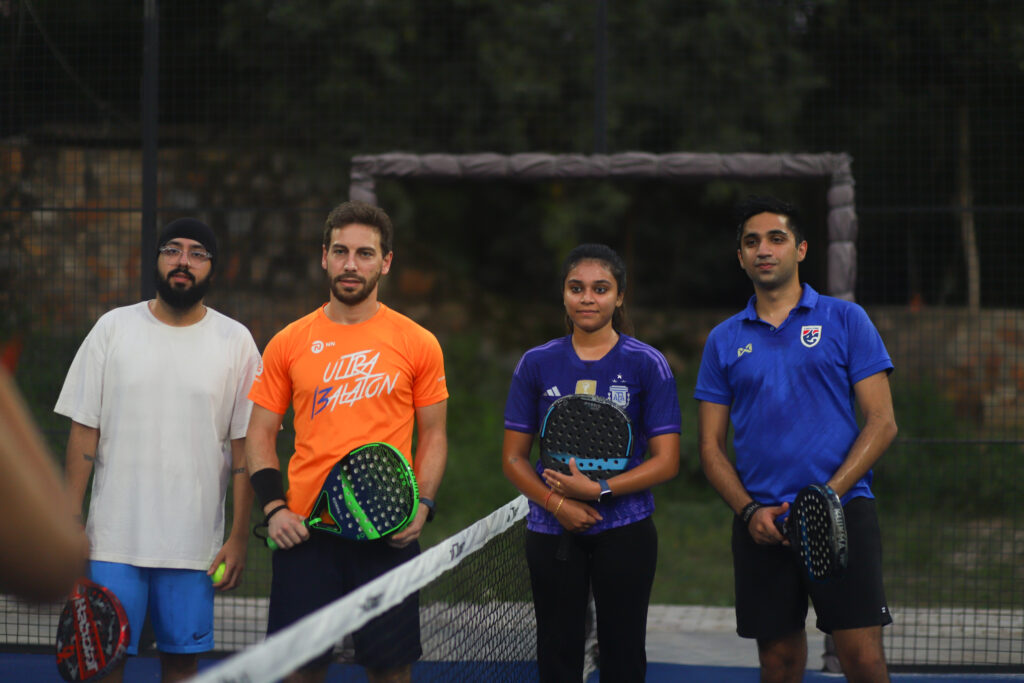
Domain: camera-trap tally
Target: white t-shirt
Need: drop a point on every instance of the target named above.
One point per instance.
(167, 401)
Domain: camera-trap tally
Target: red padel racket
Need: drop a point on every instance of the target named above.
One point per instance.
(92, 634)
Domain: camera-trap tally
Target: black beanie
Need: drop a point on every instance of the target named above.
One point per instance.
(193, 229)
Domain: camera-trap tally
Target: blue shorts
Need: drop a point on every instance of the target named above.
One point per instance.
(179, 602)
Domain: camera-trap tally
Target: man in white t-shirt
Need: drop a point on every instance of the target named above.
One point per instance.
(157, 396)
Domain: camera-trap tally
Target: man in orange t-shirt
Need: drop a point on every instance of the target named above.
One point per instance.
(355, 372)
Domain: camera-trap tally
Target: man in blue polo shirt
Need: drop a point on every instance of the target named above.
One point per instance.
(789, 372)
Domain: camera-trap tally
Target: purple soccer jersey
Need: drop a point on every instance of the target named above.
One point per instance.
(633, 375)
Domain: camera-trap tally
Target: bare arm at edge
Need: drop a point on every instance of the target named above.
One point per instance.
(46, 548)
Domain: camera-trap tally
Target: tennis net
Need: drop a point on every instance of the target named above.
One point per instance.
(476, 612)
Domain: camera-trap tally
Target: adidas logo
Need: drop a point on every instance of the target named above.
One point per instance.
(553, 391)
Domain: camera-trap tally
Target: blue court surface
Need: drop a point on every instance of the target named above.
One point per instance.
(29, 668)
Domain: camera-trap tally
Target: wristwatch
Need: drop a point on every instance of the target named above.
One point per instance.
(606, 491)
(430, 507)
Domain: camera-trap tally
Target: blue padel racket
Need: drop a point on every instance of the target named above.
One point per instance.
(368, 494)
(594, 431)
(816, 530)
(92, 633)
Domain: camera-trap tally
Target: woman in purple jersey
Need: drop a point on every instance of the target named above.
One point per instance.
(613, 549)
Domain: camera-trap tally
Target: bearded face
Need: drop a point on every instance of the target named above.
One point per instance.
(179, 288)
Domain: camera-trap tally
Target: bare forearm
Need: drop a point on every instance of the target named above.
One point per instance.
(79, 460)
(712, 432)
(724, 479)
(515, 465)
(659, 468)
(869, 446)
(241, 490)
(875, 401)
(431, 460)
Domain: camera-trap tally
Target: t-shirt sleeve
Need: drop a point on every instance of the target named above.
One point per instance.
(248, 360)
(661, 410)
(521, 404)
(868, 354)
(430, 385)
(81, 396)
(272, 382)
(712, 382)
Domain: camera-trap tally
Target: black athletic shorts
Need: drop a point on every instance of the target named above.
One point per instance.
(772, 589)
(324, 568)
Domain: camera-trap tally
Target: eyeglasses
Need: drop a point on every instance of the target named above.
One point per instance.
(194, 255)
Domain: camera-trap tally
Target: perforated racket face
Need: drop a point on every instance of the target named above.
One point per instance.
(92, 633)
(817, 529)
(591, 429)
(371, 493)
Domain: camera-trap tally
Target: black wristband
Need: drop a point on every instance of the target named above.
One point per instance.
(268, 485)
(748, 511)
(274, 511)
(430, 507)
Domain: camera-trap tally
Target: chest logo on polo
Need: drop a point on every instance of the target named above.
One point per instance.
(810, 335)
(749, 348)
(586, 386)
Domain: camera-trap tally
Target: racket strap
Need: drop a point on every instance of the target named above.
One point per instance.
(261, 528)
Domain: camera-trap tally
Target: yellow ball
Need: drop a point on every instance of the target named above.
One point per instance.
(219, 573)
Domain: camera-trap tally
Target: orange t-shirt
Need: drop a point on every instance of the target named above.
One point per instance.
(350, 385)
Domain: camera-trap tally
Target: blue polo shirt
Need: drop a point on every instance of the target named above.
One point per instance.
(790, 391)
(633, 375)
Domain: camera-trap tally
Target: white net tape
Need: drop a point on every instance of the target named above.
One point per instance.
(287, 650)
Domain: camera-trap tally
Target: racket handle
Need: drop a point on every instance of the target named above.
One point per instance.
(273, 546)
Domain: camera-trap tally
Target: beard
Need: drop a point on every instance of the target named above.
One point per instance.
(181, 298)
(358, 296)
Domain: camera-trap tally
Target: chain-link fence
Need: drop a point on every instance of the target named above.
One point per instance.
(248, 113)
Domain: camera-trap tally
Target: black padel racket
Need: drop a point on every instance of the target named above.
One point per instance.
(92, 633)
(591, 429)
(816, 529)
(368, 494)
(594, 431)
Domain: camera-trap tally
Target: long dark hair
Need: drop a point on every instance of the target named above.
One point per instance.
(615, 265)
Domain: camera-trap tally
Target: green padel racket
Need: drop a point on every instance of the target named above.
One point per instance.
(368, 494)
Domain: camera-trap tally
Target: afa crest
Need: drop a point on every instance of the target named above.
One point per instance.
(810, 335)
(619, 395)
